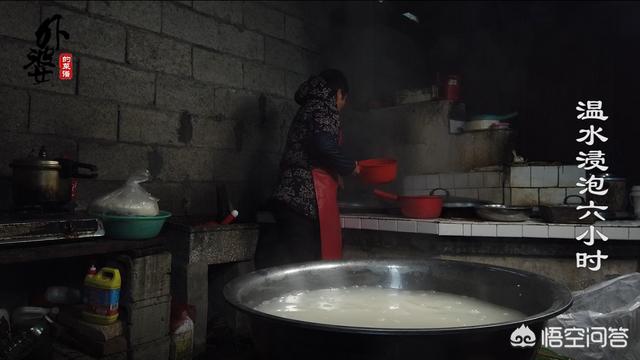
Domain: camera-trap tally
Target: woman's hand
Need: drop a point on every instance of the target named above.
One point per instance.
(356, 170)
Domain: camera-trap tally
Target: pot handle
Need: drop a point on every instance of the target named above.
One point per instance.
(385, 195)
(446, 192)
(92, 175)
(582, 201)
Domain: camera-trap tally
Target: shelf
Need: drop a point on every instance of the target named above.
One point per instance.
(65, 249)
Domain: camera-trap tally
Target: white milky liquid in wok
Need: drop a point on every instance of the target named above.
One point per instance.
(387, 308)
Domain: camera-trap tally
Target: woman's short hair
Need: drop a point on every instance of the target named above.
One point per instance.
(335, 80)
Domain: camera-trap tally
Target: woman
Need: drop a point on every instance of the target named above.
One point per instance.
(305, 201)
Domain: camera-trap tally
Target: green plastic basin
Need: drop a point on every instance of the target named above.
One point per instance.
(133, 227)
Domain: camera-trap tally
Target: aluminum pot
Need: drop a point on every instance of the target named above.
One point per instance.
(566, 213)
(499, 212)
(35, 181)
(40, 181)
(457, 207)
(538, 297)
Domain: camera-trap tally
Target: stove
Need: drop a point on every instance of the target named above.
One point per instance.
(30, 226)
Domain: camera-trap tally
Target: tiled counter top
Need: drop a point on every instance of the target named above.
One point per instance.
(614, 230)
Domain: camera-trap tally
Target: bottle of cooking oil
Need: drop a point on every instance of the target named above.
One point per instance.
(101, 295)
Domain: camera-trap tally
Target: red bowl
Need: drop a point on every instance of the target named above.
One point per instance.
(378, 171)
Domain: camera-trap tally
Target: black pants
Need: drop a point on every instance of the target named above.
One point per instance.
(297, 239)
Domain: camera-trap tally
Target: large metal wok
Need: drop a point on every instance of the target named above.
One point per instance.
(538, 297)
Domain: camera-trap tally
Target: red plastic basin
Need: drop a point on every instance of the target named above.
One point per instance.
(378, 171)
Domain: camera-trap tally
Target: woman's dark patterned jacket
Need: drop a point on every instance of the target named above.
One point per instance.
(313, 141)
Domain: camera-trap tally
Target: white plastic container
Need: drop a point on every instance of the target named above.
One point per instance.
(635, 200)
(181, 347)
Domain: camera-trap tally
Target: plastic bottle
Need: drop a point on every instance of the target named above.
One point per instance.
(25, 342)
(452, 88)
(182, 328)
(101, 295)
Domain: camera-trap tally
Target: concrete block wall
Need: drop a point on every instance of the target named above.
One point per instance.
(199, 92)
(146, 303)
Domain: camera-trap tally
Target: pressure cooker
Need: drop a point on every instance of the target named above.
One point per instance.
(41, 181)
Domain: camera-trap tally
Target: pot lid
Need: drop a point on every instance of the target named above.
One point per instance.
(460, 202)
(40, 161)
(35, 162)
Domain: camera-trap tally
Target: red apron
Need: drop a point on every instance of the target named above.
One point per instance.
(326, 188)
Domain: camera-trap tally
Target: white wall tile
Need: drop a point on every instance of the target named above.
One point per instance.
(466, 229)
(569, 175)
(520, 176)
(341, 222)
(352, 223)
(450, 229)
(615, 233)
(524, 196)
(407, 226)
(369, 224)
(493, 195)
(476, 180)
(544, 176)
(411, 183)
(552, 196)
(511, 230)
(427, 227)
(483, 230)
(388, 225)
(634, 233)
(420, 182)
(460, 180)
(535, 231)
(580, 229)
(446, 181)
(467, 193)
(574, 191)
(432, 181)
(492, 179)
(561, 232)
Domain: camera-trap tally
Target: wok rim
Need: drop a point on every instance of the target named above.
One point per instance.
(567, 299)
